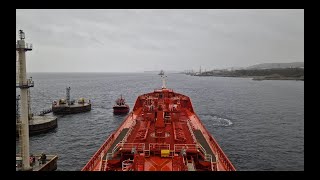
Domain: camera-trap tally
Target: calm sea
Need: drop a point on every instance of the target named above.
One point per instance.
(258, 124)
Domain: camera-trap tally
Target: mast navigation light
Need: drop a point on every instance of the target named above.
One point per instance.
(21, 34)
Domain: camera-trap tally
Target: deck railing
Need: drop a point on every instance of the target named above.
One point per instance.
(191, 131)
(179, 147)
(27, 84)
(129, 131)
(157, 146)
(126, 164)
(220, 154)
(121, 146)
(207, 157)
(95, 158)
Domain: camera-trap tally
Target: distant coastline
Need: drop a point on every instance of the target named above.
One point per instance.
(259, 78)
(258, 74)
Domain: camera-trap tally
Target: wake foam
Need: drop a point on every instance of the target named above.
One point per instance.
(215, 120)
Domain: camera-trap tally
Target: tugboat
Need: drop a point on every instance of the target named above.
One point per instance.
(121, 107)
(162, 133)
(67, 106)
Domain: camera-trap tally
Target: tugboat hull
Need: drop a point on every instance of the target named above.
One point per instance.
(120, 110)
(121, 107)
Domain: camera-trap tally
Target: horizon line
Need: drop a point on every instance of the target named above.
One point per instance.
(101, 72)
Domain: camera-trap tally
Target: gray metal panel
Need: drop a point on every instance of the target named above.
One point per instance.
(118, 139)
(200, 138)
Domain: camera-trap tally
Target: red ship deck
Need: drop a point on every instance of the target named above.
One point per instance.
(162, 133)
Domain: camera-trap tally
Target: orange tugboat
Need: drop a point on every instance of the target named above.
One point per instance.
(162, 133)
(121, 107)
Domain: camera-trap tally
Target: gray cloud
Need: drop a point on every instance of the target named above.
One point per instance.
(138, 40)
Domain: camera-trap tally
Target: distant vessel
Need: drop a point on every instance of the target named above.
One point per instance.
(67, 106)
(161, 73)
(162, 133)
(121, 107)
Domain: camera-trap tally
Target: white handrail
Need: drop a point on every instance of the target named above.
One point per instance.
(178, 147)
(101, 162)
(126, 163)
(191, 131)
(121, 145)
(159, 146)
(129, 131)
(207, 157)
(201, 148)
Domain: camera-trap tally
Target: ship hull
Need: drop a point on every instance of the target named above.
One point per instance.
(121, 109)
(162, 133)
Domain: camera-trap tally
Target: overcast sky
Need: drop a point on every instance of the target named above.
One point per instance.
(146, 40)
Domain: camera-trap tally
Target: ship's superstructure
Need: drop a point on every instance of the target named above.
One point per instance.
(121, 107)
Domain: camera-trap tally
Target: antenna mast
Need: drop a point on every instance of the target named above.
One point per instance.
(68, 95)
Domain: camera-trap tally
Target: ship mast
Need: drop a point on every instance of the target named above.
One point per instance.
(163, 80)
(24, 84)
(68, 95)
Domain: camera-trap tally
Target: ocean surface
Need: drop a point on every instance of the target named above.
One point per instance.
(258, 124)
